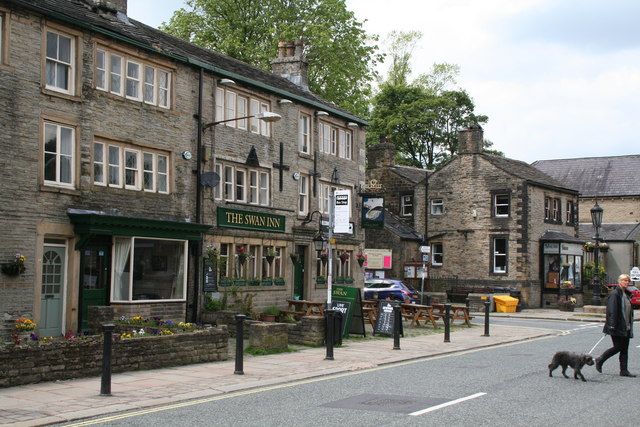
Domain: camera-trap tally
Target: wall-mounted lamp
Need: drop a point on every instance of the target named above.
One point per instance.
(226, 82)
(285, 101)
(266, 116)
(322, 113)
(352, 125)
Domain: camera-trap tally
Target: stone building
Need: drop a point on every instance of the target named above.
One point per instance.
(494, 221)
(401, 190)
(114, 166)
(612, 183)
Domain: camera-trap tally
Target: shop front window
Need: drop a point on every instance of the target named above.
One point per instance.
(149, 269)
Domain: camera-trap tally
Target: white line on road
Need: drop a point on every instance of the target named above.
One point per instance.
(444, 405)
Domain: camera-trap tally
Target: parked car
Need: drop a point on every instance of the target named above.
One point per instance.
(635, 299)
(393, 289)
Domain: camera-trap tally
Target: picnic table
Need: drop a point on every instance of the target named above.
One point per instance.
(370, 311)
(458, 312)
(418, 312)
(302, 308)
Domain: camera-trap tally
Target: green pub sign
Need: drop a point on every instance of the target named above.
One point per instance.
(234, 218)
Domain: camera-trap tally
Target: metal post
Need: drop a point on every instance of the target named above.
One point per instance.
(467, 302)
(239, 343)
(329, 333)
(487, 307)
(396, 327)
(595, 298)
(447, 319)
(105, 385)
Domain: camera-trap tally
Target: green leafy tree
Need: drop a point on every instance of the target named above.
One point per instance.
(341, 56)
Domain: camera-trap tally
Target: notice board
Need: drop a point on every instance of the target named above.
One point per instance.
(385, 320)
(354, 318)
(343, 308)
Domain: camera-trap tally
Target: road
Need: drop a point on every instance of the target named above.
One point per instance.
(500, 385)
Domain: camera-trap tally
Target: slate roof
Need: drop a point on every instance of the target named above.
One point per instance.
(611, 231)
(410, 173)
(527, 172)
(614, 176)
(400, 229)
(80, 14)
(555, 235)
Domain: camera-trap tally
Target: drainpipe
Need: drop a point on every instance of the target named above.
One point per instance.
(198, 251)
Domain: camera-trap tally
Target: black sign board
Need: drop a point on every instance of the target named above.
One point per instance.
(209, 279)
(385, 319)
(342, 307)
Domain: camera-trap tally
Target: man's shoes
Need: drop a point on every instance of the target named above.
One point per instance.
(599, 365)
(627, 374)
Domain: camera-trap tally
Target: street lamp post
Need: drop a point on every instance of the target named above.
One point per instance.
(596, 219)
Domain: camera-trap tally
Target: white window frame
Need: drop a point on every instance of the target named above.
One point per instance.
(101, 69)
(263, 191)
(149, 86)
(497, 204)
(406, 201)
(56, 64)
(131, 170)
(63, 154)
(133, 80)
(240, 185)
(162, 173)
(325, 138)
(265, 127)
(557, 211)
(229, 184)
(230, 100)
(217, 190)
(348, 146)
(242, 111)
(115, 74)
(219, 104)
(115, 165)
(149, 172)
(99, 162)
(570, 212)
(437, 248)
(437, 206)
(304, 135)
(254, 108)
(342, 137)
(496, 255)
(303, 195)
(254, 184)
(164, 89)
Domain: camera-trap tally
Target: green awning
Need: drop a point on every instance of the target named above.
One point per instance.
(92, 223)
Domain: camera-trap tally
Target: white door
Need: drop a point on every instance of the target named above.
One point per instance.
(53, 285)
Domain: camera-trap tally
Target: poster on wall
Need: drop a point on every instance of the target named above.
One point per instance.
(373, 212)
(378, 258)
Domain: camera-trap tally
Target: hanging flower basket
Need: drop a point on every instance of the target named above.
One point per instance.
(14, 267)
(269, 258)
(589, 247)
(323, 257)
(361, 259)
(603, 247)
(295, 258)
(242, 255)
(270, 255)
(344, 256)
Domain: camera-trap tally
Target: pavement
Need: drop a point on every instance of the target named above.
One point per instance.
(65, 401)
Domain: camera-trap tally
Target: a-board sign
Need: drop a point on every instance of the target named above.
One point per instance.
(354, 318)
(635, 274)
(209, 279)
(343, 308)
(385, 319)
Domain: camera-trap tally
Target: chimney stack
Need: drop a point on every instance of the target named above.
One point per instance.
(291, 64)
(470, 140)
(382, 154)
(112, 6)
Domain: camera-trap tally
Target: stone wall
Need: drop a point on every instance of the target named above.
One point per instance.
(26, 364)
(310, 330)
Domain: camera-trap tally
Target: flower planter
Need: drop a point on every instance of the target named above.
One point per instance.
(340, 281)
(279, 282)
(239, 282)
(348, 280)
(224, 283)
(566, 308)
(12, 269)
(255, 282)
(267, 282)
(321, 281)
(361, 261)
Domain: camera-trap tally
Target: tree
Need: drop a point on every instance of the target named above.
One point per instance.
(340, 54)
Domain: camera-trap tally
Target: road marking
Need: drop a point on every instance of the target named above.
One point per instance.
(296, 383)
(444, 405)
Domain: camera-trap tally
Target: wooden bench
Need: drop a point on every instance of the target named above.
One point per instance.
(302, 308)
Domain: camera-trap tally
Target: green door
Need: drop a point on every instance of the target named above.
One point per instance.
(94, 281)
(53, 285)
(298, 275)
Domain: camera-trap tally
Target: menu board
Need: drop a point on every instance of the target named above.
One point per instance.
(385, 320)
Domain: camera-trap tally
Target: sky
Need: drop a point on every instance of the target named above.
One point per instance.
(558, 78)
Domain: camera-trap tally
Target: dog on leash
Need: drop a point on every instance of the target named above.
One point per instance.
(575, 360)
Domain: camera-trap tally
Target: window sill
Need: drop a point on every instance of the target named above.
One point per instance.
(61, 190)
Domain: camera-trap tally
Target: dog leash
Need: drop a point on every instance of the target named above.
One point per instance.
(599, 341)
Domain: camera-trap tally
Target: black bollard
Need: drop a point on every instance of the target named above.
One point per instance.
(329, 329)
(487, 306)
(397, 318)
(337, 331)
(428, 299)
(239, 344)
(467, 302)
(447, 319)
(105, 385)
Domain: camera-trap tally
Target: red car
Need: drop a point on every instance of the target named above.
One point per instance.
(635, 299)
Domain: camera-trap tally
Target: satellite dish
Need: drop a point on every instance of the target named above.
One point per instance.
(210, 179)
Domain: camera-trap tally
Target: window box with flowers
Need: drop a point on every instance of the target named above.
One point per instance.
(321, 280)
(225, 282)
(278, 281)
(14, 267)
(267, 281)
